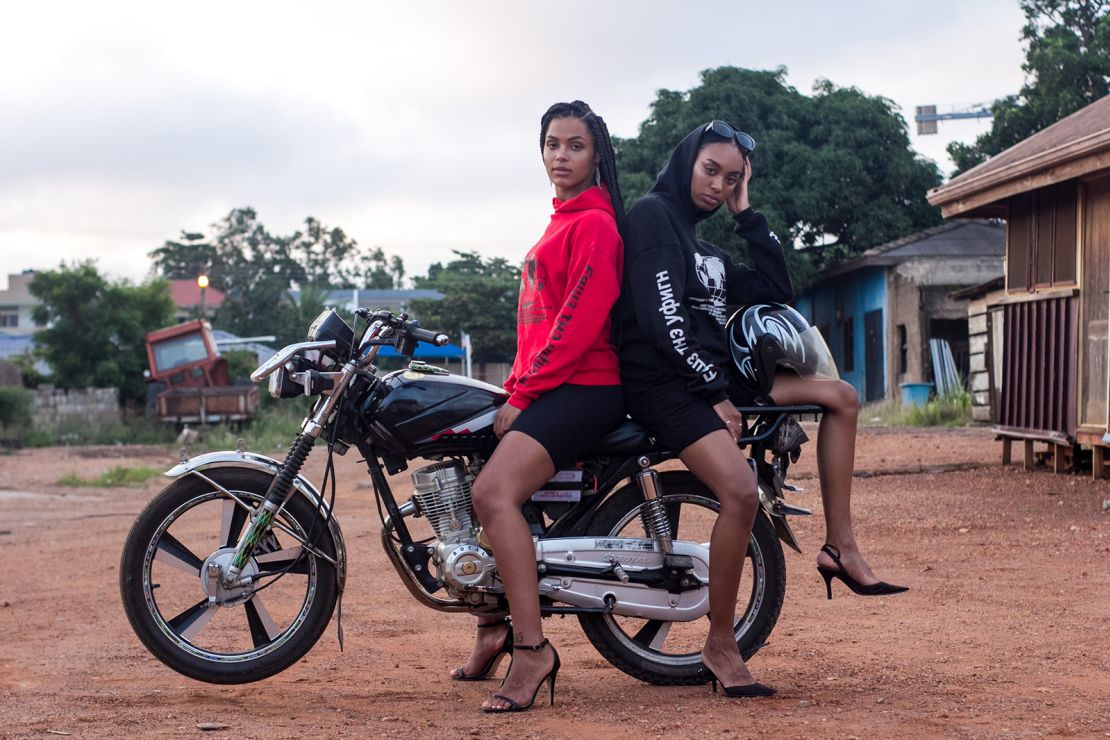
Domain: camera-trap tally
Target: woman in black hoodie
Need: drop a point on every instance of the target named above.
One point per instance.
(674, 369)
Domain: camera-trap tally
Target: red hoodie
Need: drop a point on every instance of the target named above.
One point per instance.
(569, 283)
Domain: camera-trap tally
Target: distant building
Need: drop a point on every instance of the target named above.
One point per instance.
(397, 301)
(191, 302)
(16, 304)
(878, 311)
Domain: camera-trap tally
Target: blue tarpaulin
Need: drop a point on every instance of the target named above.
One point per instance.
(428, 351)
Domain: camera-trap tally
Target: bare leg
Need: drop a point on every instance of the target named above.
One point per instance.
(487, 642)
(719, 464)
(517, 469)
(836, 456)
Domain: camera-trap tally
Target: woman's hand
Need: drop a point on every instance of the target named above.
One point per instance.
(738, 199)
(730, 416)
(503, 422)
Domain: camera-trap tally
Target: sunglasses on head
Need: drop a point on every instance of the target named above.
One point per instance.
(725, 131)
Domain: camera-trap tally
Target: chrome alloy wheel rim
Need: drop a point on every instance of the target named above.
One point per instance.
(244, 622)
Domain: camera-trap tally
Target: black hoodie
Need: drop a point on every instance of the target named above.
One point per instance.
(676, 286)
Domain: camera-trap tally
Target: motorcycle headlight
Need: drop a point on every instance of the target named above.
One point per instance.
(282, 384)
(328, 326)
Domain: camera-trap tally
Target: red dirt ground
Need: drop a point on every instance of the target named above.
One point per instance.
(1005, 633)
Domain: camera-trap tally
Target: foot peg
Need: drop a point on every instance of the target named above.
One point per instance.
(677, 562)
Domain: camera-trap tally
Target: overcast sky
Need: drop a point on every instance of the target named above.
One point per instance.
(413, 126)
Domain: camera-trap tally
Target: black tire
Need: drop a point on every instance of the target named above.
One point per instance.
(669, 653)
(258, 630)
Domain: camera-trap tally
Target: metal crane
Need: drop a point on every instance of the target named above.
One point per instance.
(927, 116)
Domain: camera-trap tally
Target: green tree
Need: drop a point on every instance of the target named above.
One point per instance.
(833, 169)
(256, 270)
(96, 329)
(479, 298)
(1067, 67)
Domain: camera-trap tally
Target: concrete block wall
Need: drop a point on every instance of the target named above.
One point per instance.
(89, 405)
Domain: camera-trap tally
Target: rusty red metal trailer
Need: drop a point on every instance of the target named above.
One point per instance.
(198, 389)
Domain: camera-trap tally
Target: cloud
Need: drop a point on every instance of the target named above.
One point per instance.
(414, 125)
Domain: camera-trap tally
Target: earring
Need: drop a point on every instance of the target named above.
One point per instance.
(597, 175)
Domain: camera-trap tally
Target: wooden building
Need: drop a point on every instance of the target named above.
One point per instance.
(984, 329)
(1053, 189)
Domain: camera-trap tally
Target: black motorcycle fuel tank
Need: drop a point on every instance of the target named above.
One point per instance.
(415, 408)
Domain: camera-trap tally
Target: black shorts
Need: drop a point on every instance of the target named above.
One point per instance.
(571, 418)
(674, 416)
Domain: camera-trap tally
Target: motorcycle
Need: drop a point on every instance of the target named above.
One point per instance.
(232, 573)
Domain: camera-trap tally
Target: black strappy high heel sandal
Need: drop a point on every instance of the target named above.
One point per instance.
(494, 660)
(549, 679)
(750, 690)
(882, 588)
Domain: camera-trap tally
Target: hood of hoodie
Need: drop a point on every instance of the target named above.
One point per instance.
(595, 197)
(673, 181)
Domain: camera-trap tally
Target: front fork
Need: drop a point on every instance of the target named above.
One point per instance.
(281, 489)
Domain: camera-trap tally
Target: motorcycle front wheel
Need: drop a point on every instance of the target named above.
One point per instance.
(195, 624)
(669, 653)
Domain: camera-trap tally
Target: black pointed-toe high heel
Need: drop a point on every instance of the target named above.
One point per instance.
(494, 660)
(549, 679)
(882, 588)
(749, 690)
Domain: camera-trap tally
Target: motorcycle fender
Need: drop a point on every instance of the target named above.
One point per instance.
(254, 461)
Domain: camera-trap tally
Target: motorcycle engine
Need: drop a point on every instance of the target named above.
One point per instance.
(442, 496)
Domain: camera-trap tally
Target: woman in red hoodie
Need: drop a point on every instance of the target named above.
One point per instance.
(564, 391)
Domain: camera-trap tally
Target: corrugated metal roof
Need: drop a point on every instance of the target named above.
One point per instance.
(956, 238)
(373, 298)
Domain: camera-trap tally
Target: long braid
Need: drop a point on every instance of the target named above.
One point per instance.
(603, 145)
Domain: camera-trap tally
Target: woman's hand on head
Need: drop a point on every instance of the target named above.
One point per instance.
(738, 199)
(504, 419)
(730, 416)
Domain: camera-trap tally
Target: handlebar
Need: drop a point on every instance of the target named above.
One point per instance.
(423, 335)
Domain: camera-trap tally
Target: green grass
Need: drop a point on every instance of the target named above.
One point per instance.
(273, 429)
(953, 410)
(131, 429)
(117, 477)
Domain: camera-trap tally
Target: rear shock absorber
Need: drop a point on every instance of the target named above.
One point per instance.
(280, 490)
(652, 512)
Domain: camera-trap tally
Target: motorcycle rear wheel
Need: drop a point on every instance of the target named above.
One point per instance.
(247, 633)
(669, 653)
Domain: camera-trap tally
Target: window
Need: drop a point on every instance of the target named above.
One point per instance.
(9, 316)
(1040, 238)
(903, 350)
(178, 351)
(849, 363)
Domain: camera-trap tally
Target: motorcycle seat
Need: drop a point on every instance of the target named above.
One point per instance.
(626, 439)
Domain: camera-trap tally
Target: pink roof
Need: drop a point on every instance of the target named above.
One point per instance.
(186, 294)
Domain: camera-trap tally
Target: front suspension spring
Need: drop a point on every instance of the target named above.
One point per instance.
(280, 490)
(290, 469)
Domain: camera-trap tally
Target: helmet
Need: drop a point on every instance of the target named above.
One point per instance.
(765, 336)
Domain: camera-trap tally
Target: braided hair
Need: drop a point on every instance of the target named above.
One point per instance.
(603, 145)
